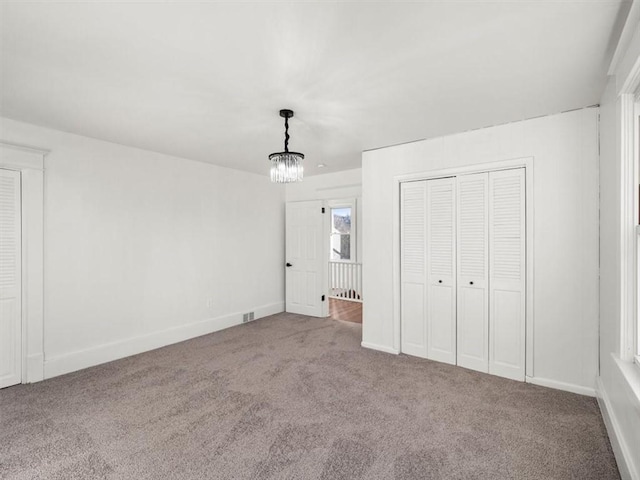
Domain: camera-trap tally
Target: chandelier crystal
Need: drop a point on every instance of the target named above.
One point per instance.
(286, 166)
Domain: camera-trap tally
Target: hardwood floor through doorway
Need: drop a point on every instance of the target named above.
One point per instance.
(345, 310)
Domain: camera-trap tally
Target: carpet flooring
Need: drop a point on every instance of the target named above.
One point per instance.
(293, 397)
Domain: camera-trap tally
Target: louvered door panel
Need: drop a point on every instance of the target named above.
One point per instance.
(441, 270)
(10, 279)
(507, 273)
(473, 271)
(413, 269)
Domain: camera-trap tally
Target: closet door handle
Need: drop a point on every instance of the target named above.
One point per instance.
(470, 283)
(439, 281)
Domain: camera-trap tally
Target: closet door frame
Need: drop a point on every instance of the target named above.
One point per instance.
(30, 163)
(525, 162)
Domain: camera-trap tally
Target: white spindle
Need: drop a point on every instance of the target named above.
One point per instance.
(352, 287)
(345, 280)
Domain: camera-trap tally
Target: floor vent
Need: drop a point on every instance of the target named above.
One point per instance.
(248, 317)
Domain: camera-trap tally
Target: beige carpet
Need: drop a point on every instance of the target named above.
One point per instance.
(294, 397)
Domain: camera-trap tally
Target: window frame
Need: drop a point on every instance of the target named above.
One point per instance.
(630, 331)
(634, 211)
(353, 242)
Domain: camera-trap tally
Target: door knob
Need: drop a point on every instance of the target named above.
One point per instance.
(289, 265)
(439, 281)
(470, 283)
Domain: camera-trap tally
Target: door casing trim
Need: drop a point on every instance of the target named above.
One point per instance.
(524, 162)
(30, 163)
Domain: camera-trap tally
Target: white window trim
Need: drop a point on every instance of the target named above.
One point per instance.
(630, 346)
(634, 327)
(352, 204)
(629, 151)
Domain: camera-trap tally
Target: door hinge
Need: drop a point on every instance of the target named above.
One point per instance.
(322, 209)
(323, 298)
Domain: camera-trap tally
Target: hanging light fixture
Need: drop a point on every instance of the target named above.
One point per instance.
(286, 166)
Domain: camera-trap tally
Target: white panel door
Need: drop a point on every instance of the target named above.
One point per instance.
(10, 280)
(441, 270)
(507, 304)
(305, 260)
(413, 268)
(473, 271)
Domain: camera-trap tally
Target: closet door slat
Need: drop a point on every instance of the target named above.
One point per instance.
(441, 270)
(507, 291)
(10, 279)
(473, 271)
(413, 268)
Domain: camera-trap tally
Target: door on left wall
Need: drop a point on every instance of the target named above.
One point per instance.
(305, 259)
(10, 279)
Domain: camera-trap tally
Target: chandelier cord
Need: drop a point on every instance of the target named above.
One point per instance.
(286, 134)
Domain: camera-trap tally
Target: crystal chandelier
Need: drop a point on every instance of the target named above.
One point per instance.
(286, 166)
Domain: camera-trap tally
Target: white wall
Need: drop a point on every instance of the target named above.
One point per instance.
(138, 243)
(344, 184)
(564, 148)
(619, 382)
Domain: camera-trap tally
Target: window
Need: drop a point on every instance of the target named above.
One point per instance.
(340, 241)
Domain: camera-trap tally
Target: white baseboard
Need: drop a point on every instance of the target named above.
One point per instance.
(35, 368)
(380, 348)
(267, 310)
(619, 446)
(568, 387)
(71, 362)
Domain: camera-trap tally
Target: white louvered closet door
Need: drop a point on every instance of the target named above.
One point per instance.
(473, 271)
(413, 268)
(507, 303)
(441, 270)
(10, 279)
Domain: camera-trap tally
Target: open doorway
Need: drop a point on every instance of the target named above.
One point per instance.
(345, 271)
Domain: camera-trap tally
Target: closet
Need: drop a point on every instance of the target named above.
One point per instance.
(462, 271)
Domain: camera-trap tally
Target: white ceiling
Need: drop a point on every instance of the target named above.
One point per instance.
(206, 80)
